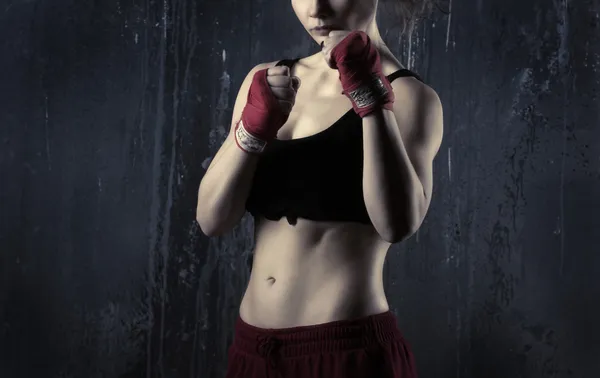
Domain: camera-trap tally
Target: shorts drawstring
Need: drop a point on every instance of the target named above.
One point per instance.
(371, 346)
(267, 347)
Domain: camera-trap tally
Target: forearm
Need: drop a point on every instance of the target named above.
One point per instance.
(392, 191)
(224, 189)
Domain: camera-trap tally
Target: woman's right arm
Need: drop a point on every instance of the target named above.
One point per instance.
(226, 184)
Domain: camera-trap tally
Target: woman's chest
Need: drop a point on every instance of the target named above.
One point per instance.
(314, 111)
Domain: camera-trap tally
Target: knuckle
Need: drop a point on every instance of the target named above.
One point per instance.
(276, 92)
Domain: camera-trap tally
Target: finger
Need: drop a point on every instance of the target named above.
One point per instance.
(278, 70)
(279, 81)
(284, 93)
(295, 83)
(286, 106)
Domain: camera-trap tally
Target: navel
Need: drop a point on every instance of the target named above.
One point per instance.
(271, 280)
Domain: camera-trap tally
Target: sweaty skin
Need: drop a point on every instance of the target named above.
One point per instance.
(315, 272)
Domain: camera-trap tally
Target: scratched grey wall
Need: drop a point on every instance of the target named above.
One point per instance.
(110, 111)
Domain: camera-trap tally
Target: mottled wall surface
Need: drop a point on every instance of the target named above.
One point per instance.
(110, 112)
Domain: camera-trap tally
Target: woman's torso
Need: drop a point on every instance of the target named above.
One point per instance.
(315, 272)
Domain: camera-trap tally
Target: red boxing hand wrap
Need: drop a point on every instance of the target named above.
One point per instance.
(261, 118)
(359, 65)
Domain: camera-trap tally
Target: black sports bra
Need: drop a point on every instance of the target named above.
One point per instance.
(318, 177)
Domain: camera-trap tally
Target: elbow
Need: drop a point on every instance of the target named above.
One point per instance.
(210, 229)
(208, 224)
(394, 237)
(216, 222)
(203, 218)
(402, 225)
(397, 222)
(399, 231)
(206, 227)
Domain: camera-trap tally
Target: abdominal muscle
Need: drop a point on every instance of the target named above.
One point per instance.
(314, 272)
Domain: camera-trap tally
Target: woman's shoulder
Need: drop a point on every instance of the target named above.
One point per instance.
(410, 90)
(406, 82)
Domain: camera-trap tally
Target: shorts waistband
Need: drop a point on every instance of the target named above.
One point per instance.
(319, 338)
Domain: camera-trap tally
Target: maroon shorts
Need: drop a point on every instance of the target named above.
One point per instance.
(368, 347)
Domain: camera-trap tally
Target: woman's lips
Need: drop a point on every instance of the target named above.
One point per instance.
(324, 30)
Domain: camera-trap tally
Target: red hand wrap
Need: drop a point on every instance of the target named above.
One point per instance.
(359, 65)
(262, 116)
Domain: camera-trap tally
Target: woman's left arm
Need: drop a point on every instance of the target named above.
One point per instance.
(399, 147)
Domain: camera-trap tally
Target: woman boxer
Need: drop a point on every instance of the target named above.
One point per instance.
(333, 173)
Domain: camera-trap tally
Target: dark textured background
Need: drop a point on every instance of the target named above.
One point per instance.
(110, 111)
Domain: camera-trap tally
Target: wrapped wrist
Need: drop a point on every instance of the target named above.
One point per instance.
(248, 142)
(371, 94)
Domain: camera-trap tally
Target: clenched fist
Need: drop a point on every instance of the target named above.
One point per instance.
(271, 97)
(283, 86)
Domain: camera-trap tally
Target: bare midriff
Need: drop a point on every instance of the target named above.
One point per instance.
(313, 273)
